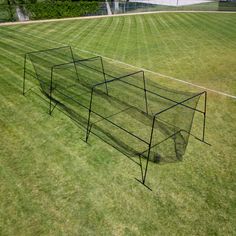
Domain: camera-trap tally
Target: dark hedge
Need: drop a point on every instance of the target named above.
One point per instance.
(49, 10)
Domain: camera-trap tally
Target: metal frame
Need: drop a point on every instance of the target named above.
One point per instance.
(144, 169)
(110, 81)
(150, 146)
(39, 51)
(158, 113)
(75, 62)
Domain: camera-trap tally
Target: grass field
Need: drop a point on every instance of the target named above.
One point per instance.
(52, 182)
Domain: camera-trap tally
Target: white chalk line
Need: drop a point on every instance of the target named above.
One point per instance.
(161, 75)
(140, 68)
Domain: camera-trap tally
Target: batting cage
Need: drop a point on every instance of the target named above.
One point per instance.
(135, 115)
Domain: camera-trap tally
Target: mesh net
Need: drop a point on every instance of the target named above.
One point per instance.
(43, 61)
(123, 106)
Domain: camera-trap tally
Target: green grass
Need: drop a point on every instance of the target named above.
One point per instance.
(52, 182)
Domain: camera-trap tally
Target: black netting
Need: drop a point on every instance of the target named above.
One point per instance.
(43, 61)
(171, 131)
(128, 111)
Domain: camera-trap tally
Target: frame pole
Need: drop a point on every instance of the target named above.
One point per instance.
(141, 166)
(204, 119)
(50, 93)
(145, 92)
(104, 75)
(73, 58)
(149, 150)
(89, 115)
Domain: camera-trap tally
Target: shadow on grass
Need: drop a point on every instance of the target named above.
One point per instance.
(120, 145)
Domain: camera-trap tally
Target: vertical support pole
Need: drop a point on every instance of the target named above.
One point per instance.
(24, 74)
(145, 93)
(104, 75)
(149, 151)
(89, 115)
(50, 93)
(73, 58)
(141, 166)
(204, 119)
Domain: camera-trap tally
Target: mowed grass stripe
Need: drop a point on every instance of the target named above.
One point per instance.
(216, 34)
(96, 30)
(26, 38)
(145, 41)
(212, 42)
(161, 57)
(134, 48)
(227, 25)
(187, 50)
(85, 29)
(106, 34)
(103, 29)
(224, 35)
(37, 29)
(169, 45)
(113, 41)
(109, 39)
(119, 37)
(126, 39)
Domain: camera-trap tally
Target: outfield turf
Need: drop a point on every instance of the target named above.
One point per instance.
(52, 182)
